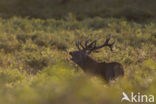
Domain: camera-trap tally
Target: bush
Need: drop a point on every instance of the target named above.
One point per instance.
(35, 64)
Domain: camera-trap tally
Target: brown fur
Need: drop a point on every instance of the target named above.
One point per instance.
(108, 71)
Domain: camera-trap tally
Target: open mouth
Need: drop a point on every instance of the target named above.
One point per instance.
(70, 53)
(71, 58)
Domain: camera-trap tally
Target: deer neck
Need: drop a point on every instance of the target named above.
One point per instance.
(89, 64)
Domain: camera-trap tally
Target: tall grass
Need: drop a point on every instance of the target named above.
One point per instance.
(35, 66)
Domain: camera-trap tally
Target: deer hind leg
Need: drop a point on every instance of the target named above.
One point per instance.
(109, 75)
(118, 70)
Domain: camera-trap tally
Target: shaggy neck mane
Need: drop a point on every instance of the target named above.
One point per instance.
(88, 64)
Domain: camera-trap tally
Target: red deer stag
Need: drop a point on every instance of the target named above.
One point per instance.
(108, 71)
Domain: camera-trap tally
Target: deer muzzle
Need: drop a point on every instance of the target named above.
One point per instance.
(71, 53)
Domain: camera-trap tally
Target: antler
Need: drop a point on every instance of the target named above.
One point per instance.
(78, 44)
(86, 47)
(92, 46)
(105, 44)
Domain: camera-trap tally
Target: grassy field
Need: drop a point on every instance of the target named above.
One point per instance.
(35, 66)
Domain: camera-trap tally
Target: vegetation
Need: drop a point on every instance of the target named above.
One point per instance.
(35, 66)
(138, 10)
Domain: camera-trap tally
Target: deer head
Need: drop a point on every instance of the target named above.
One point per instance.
(80, 56)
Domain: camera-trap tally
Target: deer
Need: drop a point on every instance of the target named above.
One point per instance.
(108, 71)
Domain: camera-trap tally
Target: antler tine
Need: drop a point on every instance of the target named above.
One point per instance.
(82, 45)
(111, 46)
(107, 40)
(92, 44)
(86, 42)
(77, 44)
(106, 44)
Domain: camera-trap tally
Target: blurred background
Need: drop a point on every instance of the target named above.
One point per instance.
(130, 9)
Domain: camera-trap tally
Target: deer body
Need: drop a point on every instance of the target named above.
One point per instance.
(108, 71)
(111, 70)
